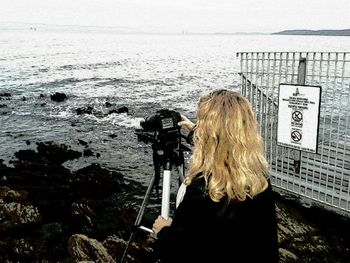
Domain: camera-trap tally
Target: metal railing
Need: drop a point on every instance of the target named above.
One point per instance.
(323, 178)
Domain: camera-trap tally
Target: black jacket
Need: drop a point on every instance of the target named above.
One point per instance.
(207, 231)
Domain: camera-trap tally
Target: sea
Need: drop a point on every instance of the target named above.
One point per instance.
(142, 72)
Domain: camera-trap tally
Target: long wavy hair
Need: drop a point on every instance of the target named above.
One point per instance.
(228, 149)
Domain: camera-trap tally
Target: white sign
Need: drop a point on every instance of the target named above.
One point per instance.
(298, 116)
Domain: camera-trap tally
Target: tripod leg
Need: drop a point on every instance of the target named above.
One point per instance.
(166, 194)
(139, 217)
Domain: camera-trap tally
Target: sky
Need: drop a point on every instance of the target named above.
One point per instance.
(202, 16)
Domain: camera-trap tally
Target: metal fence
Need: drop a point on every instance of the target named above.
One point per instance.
(323, 178)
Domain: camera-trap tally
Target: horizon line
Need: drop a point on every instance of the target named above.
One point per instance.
(128, 30)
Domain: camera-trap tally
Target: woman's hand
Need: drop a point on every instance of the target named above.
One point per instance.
(185, 123)
(160, 222)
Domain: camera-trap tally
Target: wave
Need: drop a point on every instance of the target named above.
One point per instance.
(64, 82)
(139, 82)
(116, 119)
(102, 82)
(90, 66)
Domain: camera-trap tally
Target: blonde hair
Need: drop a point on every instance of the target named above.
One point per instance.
(228, 149)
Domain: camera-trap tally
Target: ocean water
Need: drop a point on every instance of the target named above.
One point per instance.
(142, 72)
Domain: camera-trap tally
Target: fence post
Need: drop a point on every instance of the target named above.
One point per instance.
(301, 81)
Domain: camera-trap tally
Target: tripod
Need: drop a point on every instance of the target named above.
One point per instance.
(167, 159)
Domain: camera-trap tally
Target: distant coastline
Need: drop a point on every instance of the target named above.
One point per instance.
(19, 26)
(324, 32)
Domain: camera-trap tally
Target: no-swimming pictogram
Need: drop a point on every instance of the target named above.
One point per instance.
(297, 116)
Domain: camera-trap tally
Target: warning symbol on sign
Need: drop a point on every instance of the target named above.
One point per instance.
(296, 136)
(297, 116)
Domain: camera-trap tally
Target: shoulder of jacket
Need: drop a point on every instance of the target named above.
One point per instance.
(198, 187)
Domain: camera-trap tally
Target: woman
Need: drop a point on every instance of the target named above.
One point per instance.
(227, 213)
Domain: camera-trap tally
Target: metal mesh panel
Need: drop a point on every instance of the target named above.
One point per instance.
(324, 177)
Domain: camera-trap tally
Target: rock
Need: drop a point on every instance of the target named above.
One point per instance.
(34, 167)
(5, 95)
(83, 219)
(57, 154)
(139, 251)
(7, 194)
(102, 181)
(115, 246)
(82, 142)
(26, 155)
(21, 248)
(14, 215)
(108, 104)
(122, 109)
(311, 234)
(85, 110)
(82, 248)
(48, 152)
(88, 152)
(59, 97)
(286, 255)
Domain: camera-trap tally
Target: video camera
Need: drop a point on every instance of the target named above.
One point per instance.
(161, 129)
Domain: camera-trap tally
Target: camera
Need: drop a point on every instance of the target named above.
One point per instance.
(162, 120)
(164, 128)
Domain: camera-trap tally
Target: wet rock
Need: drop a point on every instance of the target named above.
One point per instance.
(83, 219)
(85, 110)
(58, 97)
(82, 248)
(300, 238)
(22, 249)
(13, 215)
(34, 168)
(88, 152)
(286, 255)
(122, 109)
(5, 95)
(7, 194)
(82, 142)
(47, 152)
(103, 181)
(141, 250)
(115, 246)
(57, 154)
(5, 172)
(288, 226)
(26, 155)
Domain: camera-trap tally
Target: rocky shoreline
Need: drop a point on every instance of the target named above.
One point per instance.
(51, 214)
